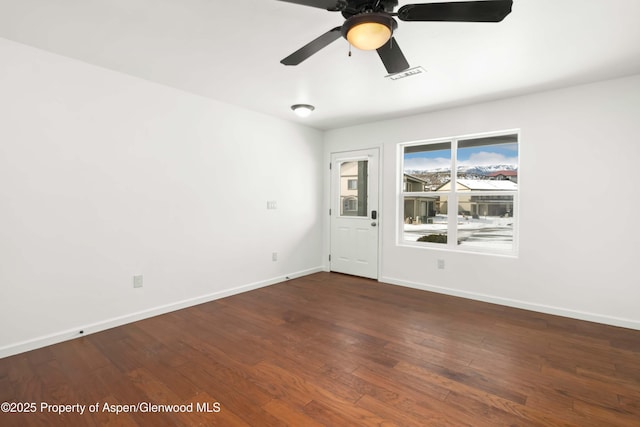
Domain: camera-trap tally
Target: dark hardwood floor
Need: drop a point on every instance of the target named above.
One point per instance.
(335, 350)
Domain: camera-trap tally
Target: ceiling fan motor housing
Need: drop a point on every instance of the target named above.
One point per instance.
(356, 7)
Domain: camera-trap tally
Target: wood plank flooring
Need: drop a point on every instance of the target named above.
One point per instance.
(335, 350)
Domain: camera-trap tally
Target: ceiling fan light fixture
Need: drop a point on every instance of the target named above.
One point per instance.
(369, 35)
(303, 110)
(369, 31)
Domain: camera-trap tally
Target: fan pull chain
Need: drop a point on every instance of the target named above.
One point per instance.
(349, 50)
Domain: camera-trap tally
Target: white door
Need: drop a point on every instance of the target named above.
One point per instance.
(354, 213)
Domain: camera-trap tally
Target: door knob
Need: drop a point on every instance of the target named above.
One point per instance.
(373, 224)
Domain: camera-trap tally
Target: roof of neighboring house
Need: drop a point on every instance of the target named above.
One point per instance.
(415, 178)
(484, 185)
(487, 184)
(505, 173)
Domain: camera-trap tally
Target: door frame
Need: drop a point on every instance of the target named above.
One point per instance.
(332, 192)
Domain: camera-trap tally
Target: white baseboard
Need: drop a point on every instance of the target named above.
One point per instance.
(558, 311)
(66, 335)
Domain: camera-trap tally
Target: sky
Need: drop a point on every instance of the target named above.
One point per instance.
(487, 155)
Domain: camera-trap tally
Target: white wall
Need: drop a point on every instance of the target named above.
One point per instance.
(103, 176)
(579, 233)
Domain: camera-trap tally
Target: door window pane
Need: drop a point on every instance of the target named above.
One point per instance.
(353, 188)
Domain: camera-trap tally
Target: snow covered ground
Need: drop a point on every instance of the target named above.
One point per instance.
(483, 232)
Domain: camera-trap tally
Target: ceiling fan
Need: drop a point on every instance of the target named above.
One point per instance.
(370, 24)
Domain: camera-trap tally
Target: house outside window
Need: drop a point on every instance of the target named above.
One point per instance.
(461, 193)
(349, 206)
(353, 188)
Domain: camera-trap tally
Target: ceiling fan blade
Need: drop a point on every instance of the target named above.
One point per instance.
(392, 57)
(464, 11)
(331, 5)
(314, 46)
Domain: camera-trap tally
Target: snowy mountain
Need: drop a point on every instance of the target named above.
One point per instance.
(485, 170)
(466, 170)
(434, 178)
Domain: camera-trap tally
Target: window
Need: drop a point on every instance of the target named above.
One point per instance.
(353, 188)
(461, 193)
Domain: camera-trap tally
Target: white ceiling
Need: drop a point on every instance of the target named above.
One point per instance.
(231, 51)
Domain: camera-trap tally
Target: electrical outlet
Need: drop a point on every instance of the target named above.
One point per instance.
(440, 264)
(272, 204)
(137, 281)
(274, 256)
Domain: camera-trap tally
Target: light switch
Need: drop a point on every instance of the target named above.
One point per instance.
(137, 281)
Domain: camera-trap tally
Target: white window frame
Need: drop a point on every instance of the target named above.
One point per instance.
(453, 196)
